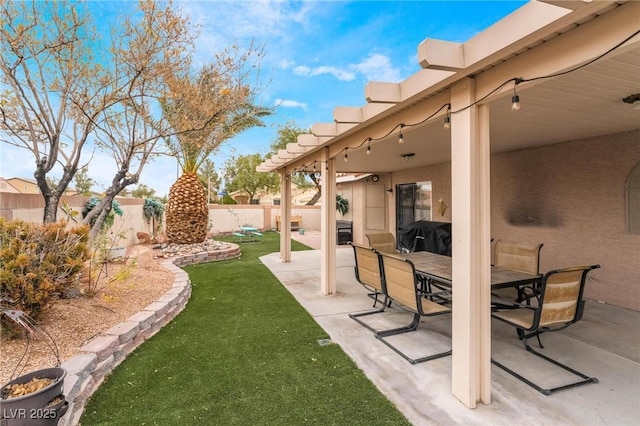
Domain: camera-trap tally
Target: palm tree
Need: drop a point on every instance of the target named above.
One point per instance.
(221, 106)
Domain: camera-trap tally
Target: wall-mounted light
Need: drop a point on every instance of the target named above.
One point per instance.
(634, 100)
(443, 207)
(407, 156)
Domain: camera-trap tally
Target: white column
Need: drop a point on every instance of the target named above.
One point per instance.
(328, 227)
(484, 251)
(285, 217)
(471, 362)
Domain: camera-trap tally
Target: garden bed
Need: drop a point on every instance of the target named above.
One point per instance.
(74, 322)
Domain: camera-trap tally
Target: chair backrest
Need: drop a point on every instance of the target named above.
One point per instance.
(518, 256)
(368, 270)
(400, 280)
(383, 242)
(561, 296)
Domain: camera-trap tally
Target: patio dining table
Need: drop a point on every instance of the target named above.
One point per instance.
(437, 268)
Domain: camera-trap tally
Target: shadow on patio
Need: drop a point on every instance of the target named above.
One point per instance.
(605, 344)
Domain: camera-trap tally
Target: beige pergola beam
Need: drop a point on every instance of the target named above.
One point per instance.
(294, 148)
(347, 115)
(377, 91)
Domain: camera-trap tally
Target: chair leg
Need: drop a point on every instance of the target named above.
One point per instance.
(374, 295)
(411, 327)
(407, 328)
(370, 312)
(546, 391)
(524, 337)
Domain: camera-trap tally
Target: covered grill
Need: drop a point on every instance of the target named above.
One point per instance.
(424, 235)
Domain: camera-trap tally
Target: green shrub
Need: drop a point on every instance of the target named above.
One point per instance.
(39, 262)
(228, 199)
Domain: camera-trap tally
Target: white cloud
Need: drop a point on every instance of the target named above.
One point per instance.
(375, 67)
(378, 67)
(286, 103)
(286, 64)
(340, 74)
(225, 21)
(302, 70)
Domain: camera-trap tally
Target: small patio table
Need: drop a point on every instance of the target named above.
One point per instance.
(247, 229)
(250, 233)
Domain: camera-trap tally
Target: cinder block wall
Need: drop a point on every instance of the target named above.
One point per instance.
(571, 198)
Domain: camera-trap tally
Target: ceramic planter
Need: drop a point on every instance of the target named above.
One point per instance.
(33, 409)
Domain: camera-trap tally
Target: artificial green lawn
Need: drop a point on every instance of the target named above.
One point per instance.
(242, 352)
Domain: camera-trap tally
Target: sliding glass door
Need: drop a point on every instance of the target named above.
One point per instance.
(413, 203)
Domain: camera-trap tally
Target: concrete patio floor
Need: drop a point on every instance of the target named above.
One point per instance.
(605, 344)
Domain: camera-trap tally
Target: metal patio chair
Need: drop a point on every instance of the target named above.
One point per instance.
(403, 286)
(369, 273)
(560, 304)
(383, 242)
(519, 256)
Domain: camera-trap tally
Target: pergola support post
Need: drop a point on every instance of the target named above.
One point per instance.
(471, 266)
(328, 227)
(285, 216)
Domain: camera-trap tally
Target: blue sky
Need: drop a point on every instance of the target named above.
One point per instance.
(318, 55)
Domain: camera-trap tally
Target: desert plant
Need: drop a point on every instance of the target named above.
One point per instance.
(39, 262)
(219, 100)
(342, 204)
(153, 210)
(227, 199)
(108, 222)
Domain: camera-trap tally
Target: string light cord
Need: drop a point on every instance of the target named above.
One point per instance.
(597, 58)
(400, 125)
(515, 80)
(518, 80)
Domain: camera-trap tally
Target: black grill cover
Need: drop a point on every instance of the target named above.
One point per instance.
(425, 235)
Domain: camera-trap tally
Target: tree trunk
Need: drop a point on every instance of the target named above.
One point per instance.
(52, 196)
(316, 197)
(119, 182)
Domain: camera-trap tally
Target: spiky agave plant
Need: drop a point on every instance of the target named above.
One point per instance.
(223, 108)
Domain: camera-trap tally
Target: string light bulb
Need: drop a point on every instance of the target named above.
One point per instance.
(346, 157)
(400, 136)
(515, 99)
(368, 146)
(447, 119)
(515, 103)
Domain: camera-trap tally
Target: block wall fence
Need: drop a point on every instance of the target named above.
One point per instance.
(223, 219)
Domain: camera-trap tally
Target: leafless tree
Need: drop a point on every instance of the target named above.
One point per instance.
(59, 98)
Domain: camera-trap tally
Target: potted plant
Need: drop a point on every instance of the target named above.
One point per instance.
(35, 398)
(342, 205)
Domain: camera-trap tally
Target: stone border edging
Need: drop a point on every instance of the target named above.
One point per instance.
(86, 371)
